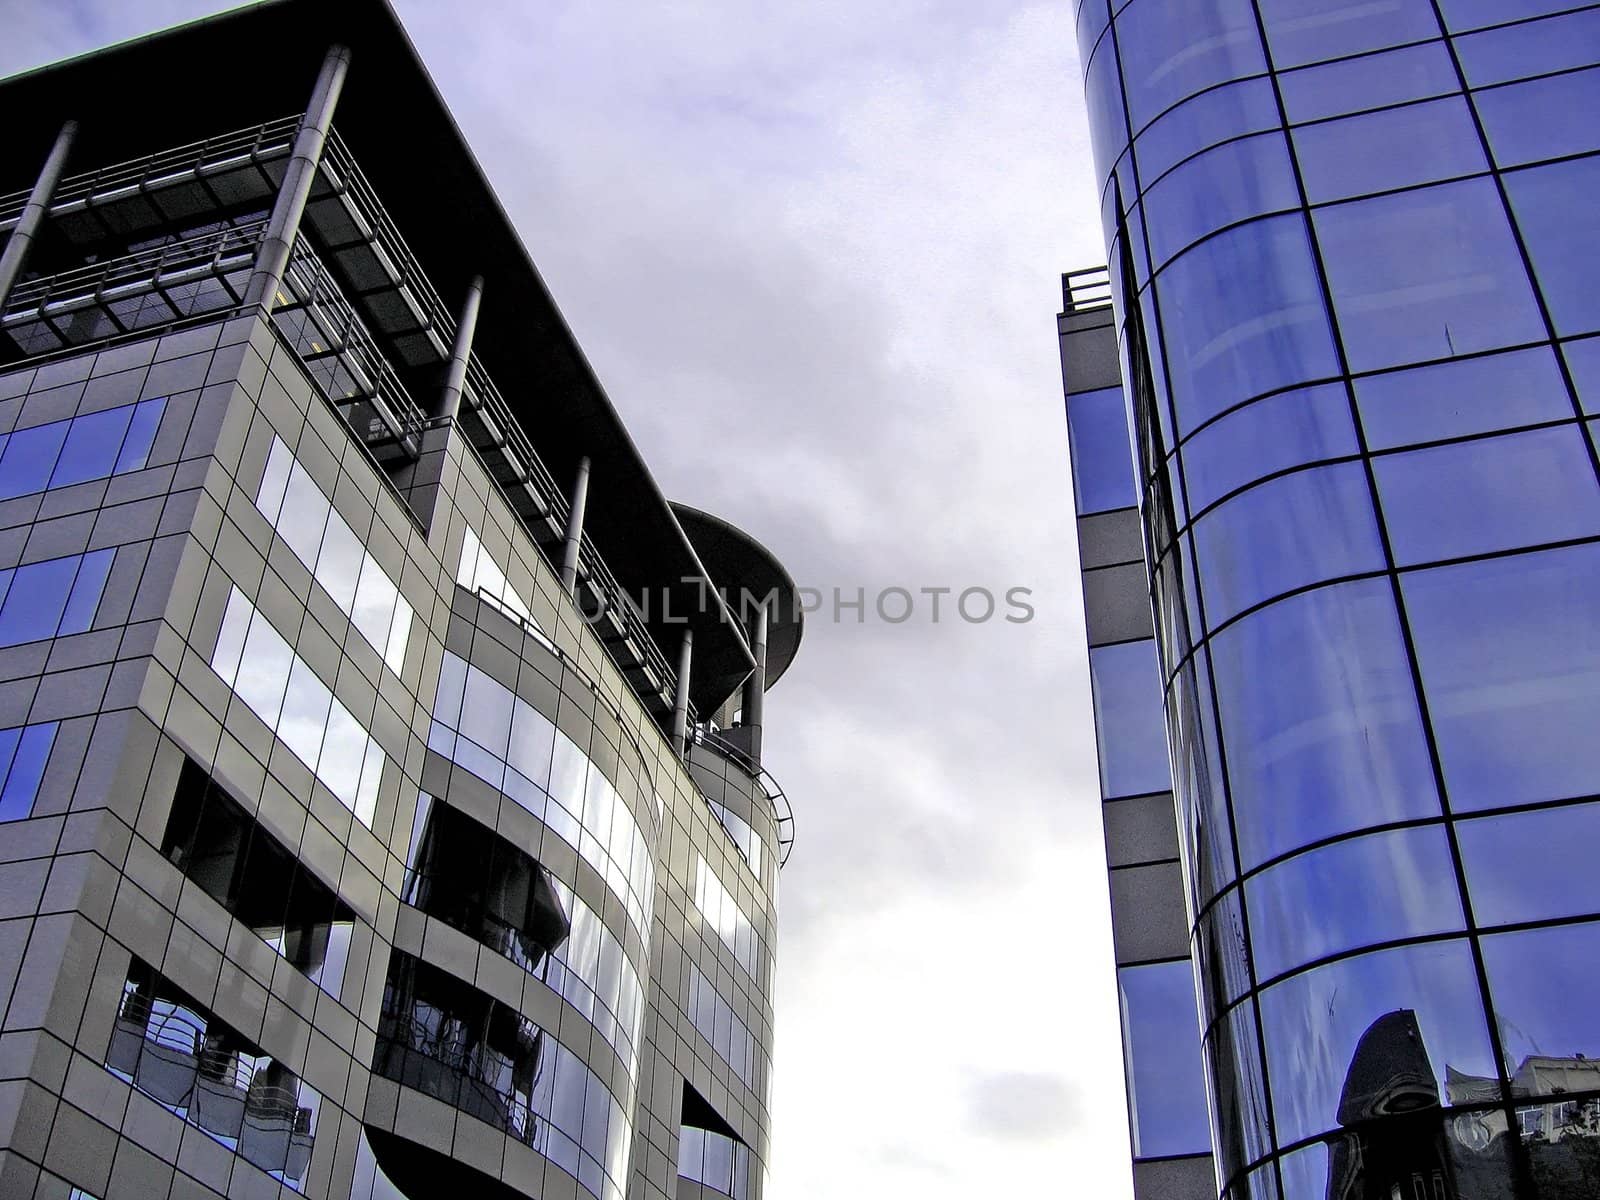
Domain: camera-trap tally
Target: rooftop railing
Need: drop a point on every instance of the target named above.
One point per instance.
(705, 735)
(1086, 290)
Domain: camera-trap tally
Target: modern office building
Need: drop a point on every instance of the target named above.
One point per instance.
(1333, 412)
(380, 752)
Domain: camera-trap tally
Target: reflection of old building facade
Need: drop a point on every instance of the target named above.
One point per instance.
(1334, 411)
(366, 833)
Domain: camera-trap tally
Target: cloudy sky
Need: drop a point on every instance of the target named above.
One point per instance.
(820, 244)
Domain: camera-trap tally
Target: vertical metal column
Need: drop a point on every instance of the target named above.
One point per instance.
(569, 551)
(455, 381)
(34, 211)
(272, 260)
(680, 701)
(755, 687)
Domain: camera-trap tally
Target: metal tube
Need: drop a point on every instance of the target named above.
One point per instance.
(34, 211)
(755, 687)
(569, 550)
(455, 382)
(680, 701)
(272, 260)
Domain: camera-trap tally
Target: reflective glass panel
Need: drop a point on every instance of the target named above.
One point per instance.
(1237, 180)
(1205, 840)
(1530, 48)
(1239, 1113)
(1393, 77)
(1509, 651)
(1475, 395)
(1102, 462)
(1304, 31)
(1269, 435)
(1108, 128)
(1161, 1039)
(1222, 954)
(1394, 148)
(1544, 118)
(1128, 719)
(1532, 866)
(1563, 238)
(1174, 48)
(1329, 740)
(1544, 982)
(1426, 274)
(1583, 360)
(24, 753)
(1461, 15)
(1224, 112)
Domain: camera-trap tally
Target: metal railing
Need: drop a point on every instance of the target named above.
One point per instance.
(704, 735)
(458, 1072)
(1086, 290)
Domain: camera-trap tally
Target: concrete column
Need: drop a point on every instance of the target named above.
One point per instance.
(755, 687)
(455, 381)
(272, 260)
(34, 211)
(680, 701)
(569, 551)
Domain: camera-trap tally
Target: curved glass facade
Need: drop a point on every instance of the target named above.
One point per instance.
(1353, 248)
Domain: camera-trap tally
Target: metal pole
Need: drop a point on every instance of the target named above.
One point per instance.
(569, 551)
(680, 702)
(34, 211)
(755, 687)
(456, 378)
(272, 260)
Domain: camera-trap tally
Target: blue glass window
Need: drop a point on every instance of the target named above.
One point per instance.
(1531, 48)
(1532, 866)
(1374, 80)
(1489, 494)
(62, 453)
(1102, 463)
(1233, 1056)
(1354, 893)
(1161, 1038)
(1093, 17)
(1225, 185)
(1269, 435)
(1320, 720)
(1298, 529)
(1175, 48)
(1224, 112)
(1108, 127)
(1128, 719)
(1583, 360)
(1394, 148)
(1475, 395)
(1243, 315)
(1460, 15)
(1305, 31)
(1509, 651)
(1543, 982)
(1563, 236)
(1426, 274)
(24, 751)
(1544, 118)
(52, 598)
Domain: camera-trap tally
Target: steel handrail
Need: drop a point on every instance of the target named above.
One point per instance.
(704, 735)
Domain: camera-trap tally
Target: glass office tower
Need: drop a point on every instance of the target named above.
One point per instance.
(1351, 253)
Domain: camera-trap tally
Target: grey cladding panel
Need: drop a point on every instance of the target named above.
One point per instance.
(1116, 604)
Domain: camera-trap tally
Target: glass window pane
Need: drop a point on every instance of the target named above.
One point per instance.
(1400, 1016)
(1242, 314)
(1475, 395)
(1304, 31)
(36, 600)
(1461, 15)
(1563, 238)
(1246, 178)
(305, 713)
(1330, 739)
(1532, 866)
(372, 609)
(135, 452)
(264, 670)
(486, 713)
(1509, 651)
(1174, 48)
(30, 457)
(1374, 80)
(532, 744)
(91, 447)
(1102, 463)
(1257, 545)
(1233, 1058)
(1128, 719)
(1395, 148)
(1108, 128)
(1545, 118)
(87, 589)
(1225, 112)
(1354, 893)
(304, 514)
(1530, 48)
(339, 566)
(1583, 360)
(1432, 273)
(28, 752)
(1161, 1038)
(1488, 494)
(1544, 982)
(1270, 435)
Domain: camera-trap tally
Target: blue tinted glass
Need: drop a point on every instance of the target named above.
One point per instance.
(90, 450)
(1475, 395)
(1204, 831)
(1583, 360)
(1398, 147)
(1247, 178)
(1304, 31)
(1295, 530)
(1563, 237)
(86, 590)
(1490, 494)
(1242, 315)
(27, 769)
(1426, 274)
(1093, 17)
(8, 751)
(1166, 1089)
(30, 457)
(1128, 717)
(1320, 719)
(1545, 118)
(1460, 15)
(1270, 435)
(1509, 651)
(1531, 48)
(1360, 892)
(1532, 866)
(1102, 463)
(36, 600)
(141, 435)
(1331, 90)
(1544, 982)
(1103, 93)
(1354, 1017)
(1225, 112)
(1174, 48)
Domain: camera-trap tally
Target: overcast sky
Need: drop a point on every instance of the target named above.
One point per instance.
(819, 245)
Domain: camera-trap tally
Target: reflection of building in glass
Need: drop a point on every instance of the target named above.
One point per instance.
(1333, 414)
(383, 805)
